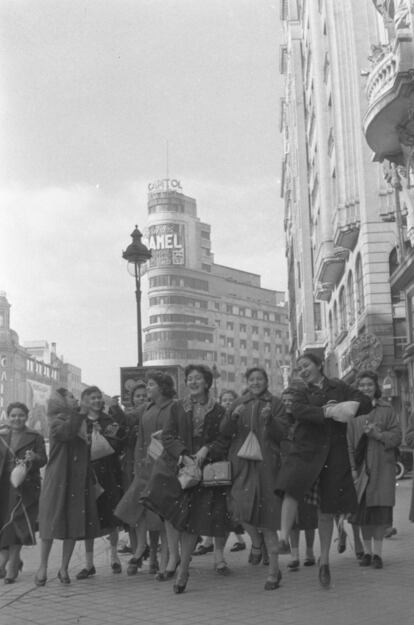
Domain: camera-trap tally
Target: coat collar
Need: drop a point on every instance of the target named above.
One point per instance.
(26, 438)
(188, 404)
(265, 396)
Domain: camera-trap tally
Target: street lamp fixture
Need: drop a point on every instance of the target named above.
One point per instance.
(136, 254)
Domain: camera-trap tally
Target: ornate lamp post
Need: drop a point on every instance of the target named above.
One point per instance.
(136, 254)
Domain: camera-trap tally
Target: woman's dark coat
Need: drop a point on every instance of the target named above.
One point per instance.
(319, 449)
(23, 526)
(199, 510)
(67, 506)
(252, 499)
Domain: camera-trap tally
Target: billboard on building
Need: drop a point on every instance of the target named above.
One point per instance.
(166, 242)
(131, 375)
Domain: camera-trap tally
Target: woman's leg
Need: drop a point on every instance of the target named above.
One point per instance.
(89, 542)
(4, 556)
(367, 536)
(325, 526)
(294, 548)
(67, 550)
(256, 538)
(113, 542)
(188, 542)
(154, 537)
(141, 534)
(173, 538)
(378, 532)
(133, 541)
(219, 562)
(163, 550)
(45, 547)
(309, 540)
(274, 576)
(358, 546)
(288, 518)
(12, 567)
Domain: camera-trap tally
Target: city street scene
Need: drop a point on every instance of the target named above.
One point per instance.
(207, 312)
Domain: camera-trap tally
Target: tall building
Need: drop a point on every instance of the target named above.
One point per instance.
(203, 312)
(340, 243)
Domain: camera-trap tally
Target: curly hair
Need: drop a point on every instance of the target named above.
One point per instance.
(164, 381)
(19, 405)
(205, 372)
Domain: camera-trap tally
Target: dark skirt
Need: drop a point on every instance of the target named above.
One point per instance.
(307, 517)
(109, 476)
(373, 515)
(208, 514)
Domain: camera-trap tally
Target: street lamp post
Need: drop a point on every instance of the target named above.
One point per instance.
(136, 254)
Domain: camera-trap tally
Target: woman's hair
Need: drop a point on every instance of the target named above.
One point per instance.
(91, 389)
(228, 392)
(372, 376)
(19, 405)
(317, 360)
(205, 372)
(259, 370)
(62, 391)
(164, 381)
(138, 385)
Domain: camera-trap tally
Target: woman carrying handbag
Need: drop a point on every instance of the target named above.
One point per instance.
(256, 424)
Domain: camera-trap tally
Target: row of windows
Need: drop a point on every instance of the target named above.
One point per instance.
(267, 332)
(232, 309)
(178, 300)
(178, 281)
(228, 341)
(175, 318)
(351, 302)
(180, 354)
(179, 336)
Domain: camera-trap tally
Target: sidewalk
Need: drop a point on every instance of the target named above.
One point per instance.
(357, 596)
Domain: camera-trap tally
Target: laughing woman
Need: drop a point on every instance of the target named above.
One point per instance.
(252, 500)
(19, 502)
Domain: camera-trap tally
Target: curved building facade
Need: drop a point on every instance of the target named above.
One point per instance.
(203, 312)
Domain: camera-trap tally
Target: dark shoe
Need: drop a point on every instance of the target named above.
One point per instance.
(365, 560)
(202, 550)
(64, 578)
(389, 532)
(238, 547)
(294, 565)
(342, 540)
(133, 565)
(309, 562)
(377, 562)
(265, 555)
(153, 568)
(222, 569)
(161, 577)
(125, 549)
(180, 585)
(85, 573)
(116, 567)
(2, 572)
(324, 576)
(255, 556)
(20, 566)
(273, 584)
(40, 581)
(170, 574)
(9, 580)
(283, 548)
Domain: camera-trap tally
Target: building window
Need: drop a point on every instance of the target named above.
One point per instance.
(351, 299)
(266, 332)
(230, 376)
(256, 345)
(267, 348)
(222, 341)
(229, 309)
(317, 315)
(230, 325)
(255, 330)
(359, 284)
(230, 359)
(243, 327)
(223, 359)
(243, 344)
(342, 310)
(243, 361)
(255, 362)
(216, 306)
(230, 342)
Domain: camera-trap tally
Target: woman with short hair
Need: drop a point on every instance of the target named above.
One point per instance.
(21, 450)
(252, 501)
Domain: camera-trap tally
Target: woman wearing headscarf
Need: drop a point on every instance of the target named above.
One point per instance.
(252, 501)
(317, 465)
(21, 451)
(67, 507)
(373, 440)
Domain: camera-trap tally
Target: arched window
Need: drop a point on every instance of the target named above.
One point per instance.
(351, 298)
(335, 320)
(393, 260)
(342, 310)
(359, 284)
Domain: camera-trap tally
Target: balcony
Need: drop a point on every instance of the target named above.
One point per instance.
(330, 268)
(346, 226)
(389, 90)
(324, 291)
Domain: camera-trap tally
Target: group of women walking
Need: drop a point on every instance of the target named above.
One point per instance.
(177, 469)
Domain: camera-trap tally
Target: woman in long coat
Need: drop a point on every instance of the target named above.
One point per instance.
(318, 460)
(160, 391)
(373, 439)
(20, 503)
(67, 507)
(192, 433)
(252, 501)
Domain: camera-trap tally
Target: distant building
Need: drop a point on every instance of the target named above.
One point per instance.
(29, 372)
(203, 312)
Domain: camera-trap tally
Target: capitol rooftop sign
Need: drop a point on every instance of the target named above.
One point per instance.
(165, 184)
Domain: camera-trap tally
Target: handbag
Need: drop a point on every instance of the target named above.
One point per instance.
(250, 450)
(18, 474)
(189, 474)
(217, 474)
(155, 448)
(100, 448)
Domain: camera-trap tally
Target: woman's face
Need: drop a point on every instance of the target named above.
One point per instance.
(95, 401)
(308, 371)
(140, 396)
(196, 383)
(71, 401)
(288, 401)
(226, 400)
(153, 390)
(17, 419)
(367, 386)
(256, 382)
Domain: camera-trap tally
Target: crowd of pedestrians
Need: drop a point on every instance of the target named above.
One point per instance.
(181, 474)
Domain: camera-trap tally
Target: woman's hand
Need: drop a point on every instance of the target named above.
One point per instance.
(372, 431)
(266, 413)
(237, 411)
(201, 455)
(29, 455)
(112, 430)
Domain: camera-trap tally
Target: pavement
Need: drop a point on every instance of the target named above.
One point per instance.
(357, 596)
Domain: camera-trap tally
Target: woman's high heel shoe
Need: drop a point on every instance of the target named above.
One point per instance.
(170, 574)
(64, 578)
(180, 585)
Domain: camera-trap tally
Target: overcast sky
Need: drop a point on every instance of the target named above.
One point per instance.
(90, 93)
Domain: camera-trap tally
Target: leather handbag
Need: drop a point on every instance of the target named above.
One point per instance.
(250, 450)
(217, 474)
